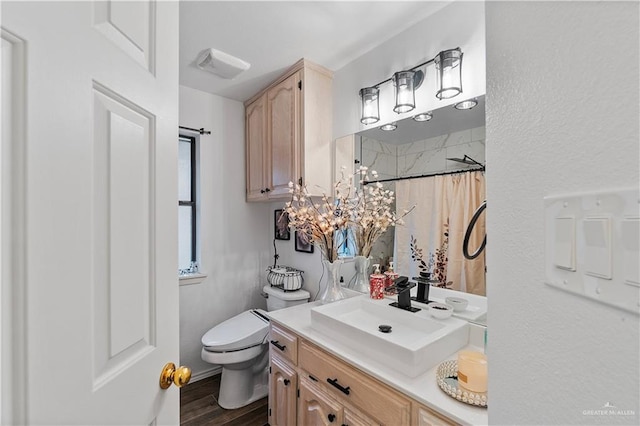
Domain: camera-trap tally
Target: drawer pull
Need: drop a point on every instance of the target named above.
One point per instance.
(331, 417)
(286, 382)
(278, 345)
(334, 382)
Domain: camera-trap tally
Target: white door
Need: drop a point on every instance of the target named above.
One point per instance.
(100, 164)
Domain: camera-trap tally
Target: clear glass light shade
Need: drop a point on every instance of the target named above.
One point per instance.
(425, 116)
(448, 73)
(405, 96)
(370, 111)
(389, 127)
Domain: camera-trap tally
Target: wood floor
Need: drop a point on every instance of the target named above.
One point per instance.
(199, 407)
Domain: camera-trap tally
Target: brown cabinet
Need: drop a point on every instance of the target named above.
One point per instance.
(332, 392)
(288, 133)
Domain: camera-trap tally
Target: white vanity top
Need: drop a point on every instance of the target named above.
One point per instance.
(423, 388)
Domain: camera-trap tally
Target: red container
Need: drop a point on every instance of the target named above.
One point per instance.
(377, 284)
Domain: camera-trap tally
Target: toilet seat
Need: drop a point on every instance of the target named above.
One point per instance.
(245, 330)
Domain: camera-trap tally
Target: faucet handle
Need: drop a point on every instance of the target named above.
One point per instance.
(401, 281)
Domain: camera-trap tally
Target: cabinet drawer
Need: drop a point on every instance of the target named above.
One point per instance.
(385, 405)
(423, 416)
(284, 343)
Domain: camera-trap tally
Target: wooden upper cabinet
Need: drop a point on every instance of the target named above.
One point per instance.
(295, 134)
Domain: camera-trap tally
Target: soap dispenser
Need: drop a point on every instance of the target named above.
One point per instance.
(377, 283)
(391, 277)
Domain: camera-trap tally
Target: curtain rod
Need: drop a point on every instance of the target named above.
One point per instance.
(201, 130)
(479, 169)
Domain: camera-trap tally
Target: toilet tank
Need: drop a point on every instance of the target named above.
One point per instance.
(279, 299)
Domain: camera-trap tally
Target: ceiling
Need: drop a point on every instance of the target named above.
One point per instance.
(273, 35)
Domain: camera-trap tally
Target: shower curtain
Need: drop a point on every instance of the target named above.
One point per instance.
(432, 236)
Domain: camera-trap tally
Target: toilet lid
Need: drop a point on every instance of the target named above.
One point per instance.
(242, 331)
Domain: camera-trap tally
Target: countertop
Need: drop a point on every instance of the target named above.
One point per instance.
(423, 388)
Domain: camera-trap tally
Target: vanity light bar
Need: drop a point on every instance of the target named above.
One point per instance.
(448, 79)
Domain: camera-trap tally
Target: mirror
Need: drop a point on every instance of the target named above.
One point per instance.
(407, 161)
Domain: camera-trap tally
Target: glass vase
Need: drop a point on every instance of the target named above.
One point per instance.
(362, 274)
(333, 289)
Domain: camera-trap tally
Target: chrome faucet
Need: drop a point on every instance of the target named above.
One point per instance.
(401, 287)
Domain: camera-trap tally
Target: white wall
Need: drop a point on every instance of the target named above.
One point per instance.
(562, 116)
(235, 234)
(460, 24)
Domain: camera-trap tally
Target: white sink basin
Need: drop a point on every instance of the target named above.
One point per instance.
(417, 342)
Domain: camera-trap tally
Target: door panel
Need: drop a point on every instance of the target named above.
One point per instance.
(101, 211)
(123, 230)
(130, 26)
(283, 103)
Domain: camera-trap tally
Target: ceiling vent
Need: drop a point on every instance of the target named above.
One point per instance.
(221, 64)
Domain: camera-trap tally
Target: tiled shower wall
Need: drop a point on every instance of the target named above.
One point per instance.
(414, 159)
(424, 156)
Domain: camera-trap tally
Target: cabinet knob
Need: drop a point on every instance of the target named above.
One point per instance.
(267, 190)
(286, 382)
(331, 417)
(262, 191)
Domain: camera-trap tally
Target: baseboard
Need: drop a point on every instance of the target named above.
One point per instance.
(206, 373)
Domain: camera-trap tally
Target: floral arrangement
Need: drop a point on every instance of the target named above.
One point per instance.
(372, 213)
(367, 211)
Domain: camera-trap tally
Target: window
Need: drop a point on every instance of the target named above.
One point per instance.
(187, 206)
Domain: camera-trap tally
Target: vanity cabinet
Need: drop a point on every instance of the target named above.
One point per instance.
(308, 386)
(288, 134)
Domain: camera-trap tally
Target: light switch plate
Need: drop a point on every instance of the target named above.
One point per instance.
(606, 246)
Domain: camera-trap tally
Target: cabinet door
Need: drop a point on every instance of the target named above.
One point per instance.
(283, 385)
(257, 148)
(351, 418)
(315, 407)
(283, 126)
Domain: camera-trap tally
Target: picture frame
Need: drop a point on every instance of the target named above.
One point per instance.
(281, 225)
(302, 245)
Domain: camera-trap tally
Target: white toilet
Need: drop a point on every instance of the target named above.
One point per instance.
(240, 346)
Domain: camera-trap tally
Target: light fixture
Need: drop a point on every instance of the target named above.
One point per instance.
(425, 116)
(221, 64)
(405, 95)
(448, 79)
(389, 127)
(468, 104)
(370, 112)
(448, 73)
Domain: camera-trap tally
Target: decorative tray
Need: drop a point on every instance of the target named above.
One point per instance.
(447, 377)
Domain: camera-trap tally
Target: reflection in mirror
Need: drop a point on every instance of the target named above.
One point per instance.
(436, 165)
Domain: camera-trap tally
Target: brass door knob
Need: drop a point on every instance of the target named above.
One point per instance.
(170, 374)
